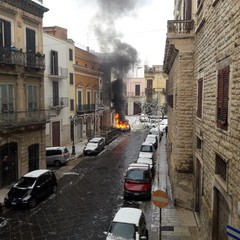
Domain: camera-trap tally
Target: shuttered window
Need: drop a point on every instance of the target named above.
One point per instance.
(6, 98)
(222, 98)
(5, 34)
(32, 98)
(137, 90)
(170, 100)
(200, 98)
(54, 62)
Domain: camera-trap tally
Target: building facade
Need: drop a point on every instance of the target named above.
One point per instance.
(204, 84)
(59, 81)
(22, 114)
(155, 89)
(88, 78)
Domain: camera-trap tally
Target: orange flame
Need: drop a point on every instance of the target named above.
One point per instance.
(119, 124)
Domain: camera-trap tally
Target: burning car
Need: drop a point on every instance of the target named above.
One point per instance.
(123, 126)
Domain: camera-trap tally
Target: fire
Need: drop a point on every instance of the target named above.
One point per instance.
(124, 126)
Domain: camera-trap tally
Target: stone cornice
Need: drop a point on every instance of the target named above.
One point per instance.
(28, 6)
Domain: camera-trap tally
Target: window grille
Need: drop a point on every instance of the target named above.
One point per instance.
(221, 168)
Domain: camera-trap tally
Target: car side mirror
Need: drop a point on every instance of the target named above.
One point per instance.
(105, 233)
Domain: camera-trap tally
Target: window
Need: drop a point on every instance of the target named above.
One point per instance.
(199, 143)
(71, 104)
(88, 98)
(137, 90)
(170, 100)
(71, 78)
(149, 83)
(31, 47)
(55, 94)
(221, 167)
(79, 100)
(222, 98)
(54, 62)
(32, 98)
(5, 33)
(6, 98)
(70, 54)
(200, 97)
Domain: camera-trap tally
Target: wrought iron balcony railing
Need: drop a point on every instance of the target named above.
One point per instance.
(133, 94)
(58, 102)
(15, 56)
(58, 72)
(83, 108)
(149, 91)
(16, 119)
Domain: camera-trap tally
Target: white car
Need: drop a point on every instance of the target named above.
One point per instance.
(128, 223)
(148, 161)
(147, 150)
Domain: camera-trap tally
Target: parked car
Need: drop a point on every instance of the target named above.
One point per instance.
(152, 138)
(148, 150)
(128, 223)
(30, 188)
(143, 117)
(138, 181)
(147, 161)
(94, 146)
(57, 156)
(157, 131)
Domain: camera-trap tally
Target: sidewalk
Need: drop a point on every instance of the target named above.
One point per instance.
(176, 223)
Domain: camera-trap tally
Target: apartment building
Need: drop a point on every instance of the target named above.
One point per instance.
(135, 87)
(155, 90)
(88, 82)
(22, 114)
(202, 62)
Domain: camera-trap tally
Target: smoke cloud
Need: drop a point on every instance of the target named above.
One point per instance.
(117, 55)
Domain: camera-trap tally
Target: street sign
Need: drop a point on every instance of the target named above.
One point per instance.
(233, 232)
(160, 199)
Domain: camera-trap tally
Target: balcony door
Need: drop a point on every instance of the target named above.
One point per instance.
(31, 47)
(55, 94)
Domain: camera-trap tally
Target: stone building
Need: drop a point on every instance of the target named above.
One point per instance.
(22, 114)
(202, 61)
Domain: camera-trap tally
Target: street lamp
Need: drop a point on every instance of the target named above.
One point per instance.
(72, 134)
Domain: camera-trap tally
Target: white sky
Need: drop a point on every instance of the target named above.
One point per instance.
(145, 29)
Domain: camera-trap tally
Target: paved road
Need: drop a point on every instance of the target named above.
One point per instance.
(87, 199)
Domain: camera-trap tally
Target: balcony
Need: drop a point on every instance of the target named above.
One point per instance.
(13, 56)
(59, 102)
(149, 91)
(57, 73)
(12, 119)
(180, 38)
(179, 28)
(85, 108)
(133, 94)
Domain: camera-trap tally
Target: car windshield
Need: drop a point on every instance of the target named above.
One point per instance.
(123, 230)
(137, 175)
(146, 148)
(26, 182)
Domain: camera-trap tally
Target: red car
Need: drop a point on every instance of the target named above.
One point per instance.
(138, 182)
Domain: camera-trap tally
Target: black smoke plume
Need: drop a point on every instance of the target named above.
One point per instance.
(116, 55)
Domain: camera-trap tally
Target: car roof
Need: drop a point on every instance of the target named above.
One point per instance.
(144, 160)
(138, 165)
(54, 148)
(128, 215)
(96, 139)
(147, 143)
(36, 173)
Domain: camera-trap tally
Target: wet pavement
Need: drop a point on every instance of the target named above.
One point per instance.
(90, 192)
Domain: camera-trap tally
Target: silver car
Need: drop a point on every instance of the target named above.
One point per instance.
(57, 156)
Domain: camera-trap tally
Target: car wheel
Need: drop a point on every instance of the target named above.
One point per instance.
(57, 163)
(32, 203)
(54, 190)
